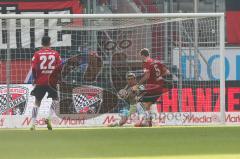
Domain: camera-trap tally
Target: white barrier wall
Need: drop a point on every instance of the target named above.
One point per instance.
(23, 119)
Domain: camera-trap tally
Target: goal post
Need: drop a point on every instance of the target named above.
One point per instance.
(99, 50)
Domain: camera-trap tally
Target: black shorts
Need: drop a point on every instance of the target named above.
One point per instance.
(152, 93)
(40, 91)
(149, 98)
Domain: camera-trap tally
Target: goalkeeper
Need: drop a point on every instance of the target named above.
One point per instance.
(131, 99)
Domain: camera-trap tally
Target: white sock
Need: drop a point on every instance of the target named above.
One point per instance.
(140, 111)
(34, 114)
(152, 114)
(140, 108)
(147, 115)
(52, 108)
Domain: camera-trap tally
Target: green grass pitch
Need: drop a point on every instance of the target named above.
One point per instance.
(111, 143)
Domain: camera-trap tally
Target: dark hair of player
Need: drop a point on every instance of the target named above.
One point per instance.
(144, 52)
(46, 41)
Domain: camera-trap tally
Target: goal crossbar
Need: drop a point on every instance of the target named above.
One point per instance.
(95, 16)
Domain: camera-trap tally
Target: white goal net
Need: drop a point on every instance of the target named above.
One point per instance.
(98, 51)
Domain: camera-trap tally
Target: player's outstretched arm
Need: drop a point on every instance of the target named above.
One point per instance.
(34, 66)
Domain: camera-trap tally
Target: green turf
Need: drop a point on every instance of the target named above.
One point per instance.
(164, 142)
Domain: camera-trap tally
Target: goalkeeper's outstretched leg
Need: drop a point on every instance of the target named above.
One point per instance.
(126, 114)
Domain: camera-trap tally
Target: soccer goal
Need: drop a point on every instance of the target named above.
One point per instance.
(99, 50)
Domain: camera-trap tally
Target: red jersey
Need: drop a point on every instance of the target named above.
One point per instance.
(155, 82)
(156, 69)
(44, 62)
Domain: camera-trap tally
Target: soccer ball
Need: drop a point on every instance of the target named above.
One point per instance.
(123, 93)
(141, 88)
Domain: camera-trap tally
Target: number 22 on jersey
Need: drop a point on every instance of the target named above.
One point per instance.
(47, 62)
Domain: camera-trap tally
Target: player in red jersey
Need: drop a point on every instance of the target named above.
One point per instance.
(155, 75)
(44, 62)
